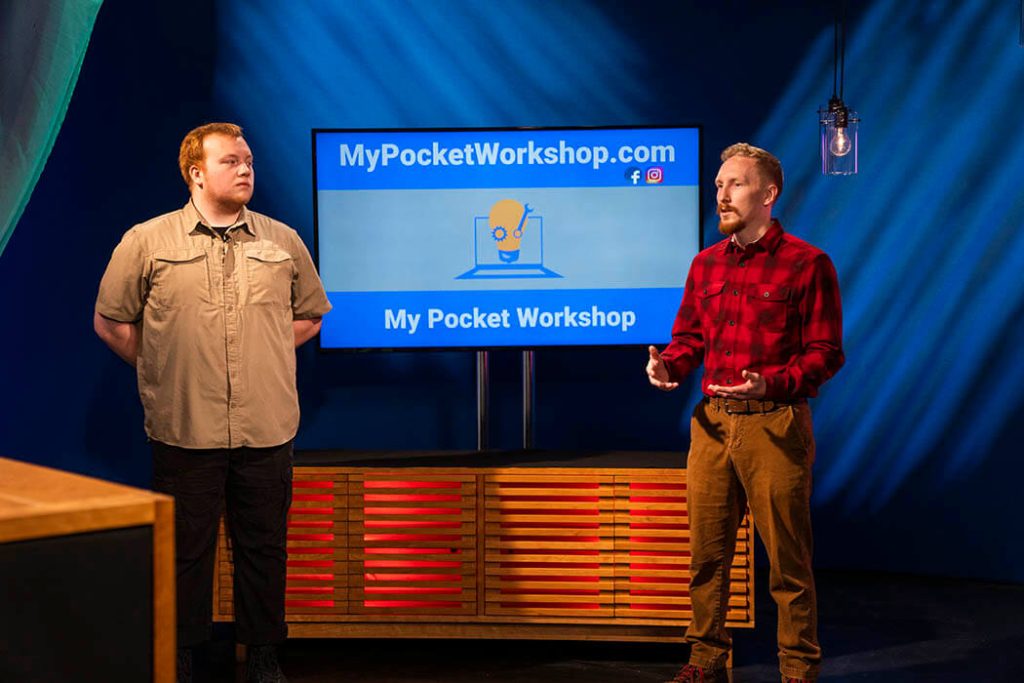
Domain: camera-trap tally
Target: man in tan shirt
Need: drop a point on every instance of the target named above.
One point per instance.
(209, 303)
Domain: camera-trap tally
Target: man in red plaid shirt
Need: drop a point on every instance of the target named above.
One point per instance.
(761, 309)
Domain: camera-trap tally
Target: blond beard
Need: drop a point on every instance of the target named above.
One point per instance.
(730, 227)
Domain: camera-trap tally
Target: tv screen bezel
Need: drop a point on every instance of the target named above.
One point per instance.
(482, 129)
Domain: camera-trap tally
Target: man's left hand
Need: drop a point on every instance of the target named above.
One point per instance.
(754, 387)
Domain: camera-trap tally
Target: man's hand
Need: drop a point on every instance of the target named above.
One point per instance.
(657, 372)
(755, 387)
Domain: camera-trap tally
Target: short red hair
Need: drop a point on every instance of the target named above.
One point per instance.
(191, 152)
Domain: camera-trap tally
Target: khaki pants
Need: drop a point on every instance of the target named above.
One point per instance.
(761, 456)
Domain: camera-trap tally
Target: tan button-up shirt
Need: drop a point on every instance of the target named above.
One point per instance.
(216, 363)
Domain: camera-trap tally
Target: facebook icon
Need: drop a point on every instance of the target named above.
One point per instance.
(633, 174)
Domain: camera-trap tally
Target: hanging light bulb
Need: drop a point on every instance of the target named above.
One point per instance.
(838, 122)
(840, 145)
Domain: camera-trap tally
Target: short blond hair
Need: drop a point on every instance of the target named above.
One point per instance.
(191, 152)
(768, 164)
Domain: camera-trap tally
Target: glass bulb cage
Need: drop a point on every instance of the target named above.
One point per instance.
(838, 139)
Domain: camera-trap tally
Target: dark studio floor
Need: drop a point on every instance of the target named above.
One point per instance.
(874, 627)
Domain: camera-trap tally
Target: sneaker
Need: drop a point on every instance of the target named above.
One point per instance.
(184, 665)
(261, 665)
(691, 673)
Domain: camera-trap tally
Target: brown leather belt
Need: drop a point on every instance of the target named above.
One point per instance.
(738, 406)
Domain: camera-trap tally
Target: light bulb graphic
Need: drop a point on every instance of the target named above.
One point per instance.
(841, 143)
(507, 221)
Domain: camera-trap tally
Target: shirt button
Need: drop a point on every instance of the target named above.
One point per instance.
(732, 323)
(767, 294)
(728, 353)
(743, 264)
(735, 292)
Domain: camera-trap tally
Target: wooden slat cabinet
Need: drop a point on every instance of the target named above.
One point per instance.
(504, 550)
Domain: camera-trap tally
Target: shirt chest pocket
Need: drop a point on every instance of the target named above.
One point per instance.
(769, 306)
(269, 272)
(180, 278)
(709, 298)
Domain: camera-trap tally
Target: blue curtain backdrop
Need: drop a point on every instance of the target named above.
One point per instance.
(918, 457)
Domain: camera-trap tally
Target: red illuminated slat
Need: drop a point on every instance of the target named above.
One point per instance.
(552, 605)
(312, 484)
(561, 551)
(659, 525)
(407, 604)
(310, 537)
(656, 499)
(654, 593)
(309, 603)
(659, 553)
(647, 565)
(311, 524)
(411, 537)
(409, 564)
(552, 539)
(551, 499)
(426, 524)
(565, 579)
(640, 485)
(550, 525)
(655, 606)
(553, 511)
(311, 577)
(310, 551)
(310, 511)
(410, 484)
(548, 591)
(411, 497)
(653, 539)
(310, 590)
(659, 579)
(657, 513)
(551, 565)
(413, 590)
(457, 578)
(413, 551)
(310, 563)
(411, 511)
(322, 497)
(548, 485)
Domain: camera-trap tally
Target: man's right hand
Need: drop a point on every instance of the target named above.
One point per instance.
(657, 372)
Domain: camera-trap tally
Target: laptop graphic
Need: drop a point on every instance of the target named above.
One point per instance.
(513, 252)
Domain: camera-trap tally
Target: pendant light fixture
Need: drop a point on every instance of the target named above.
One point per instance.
(838, 122)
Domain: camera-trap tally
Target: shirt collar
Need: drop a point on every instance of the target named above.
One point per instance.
(769, 241)
(194, 219)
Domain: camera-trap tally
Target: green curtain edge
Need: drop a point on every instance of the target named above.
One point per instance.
(51, 137)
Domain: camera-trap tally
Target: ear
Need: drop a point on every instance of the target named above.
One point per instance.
(771, 193)
(196, 174)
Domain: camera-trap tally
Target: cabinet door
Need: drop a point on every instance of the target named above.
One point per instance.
(549, 546)
(412, 540)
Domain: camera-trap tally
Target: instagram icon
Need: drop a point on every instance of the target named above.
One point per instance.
(654, 175)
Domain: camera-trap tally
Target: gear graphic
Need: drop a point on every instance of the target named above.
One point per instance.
(499, 233)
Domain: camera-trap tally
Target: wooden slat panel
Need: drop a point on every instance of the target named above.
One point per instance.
(652, 574)
(417, 563)
(534, 544)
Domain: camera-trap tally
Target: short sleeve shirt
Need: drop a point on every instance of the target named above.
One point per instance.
(216, 363)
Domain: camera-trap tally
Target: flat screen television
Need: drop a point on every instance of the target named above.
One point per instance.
(504, 238)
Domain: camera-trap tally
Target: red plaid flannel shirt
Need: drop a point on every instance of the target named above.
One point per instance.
(772, 308)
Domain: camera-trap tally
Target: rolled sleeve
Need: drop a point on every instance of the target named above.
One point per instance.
(308, 297)
(122, 293)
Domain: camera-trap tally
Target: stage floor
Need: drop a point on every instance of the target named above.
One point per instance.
(874, 627)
